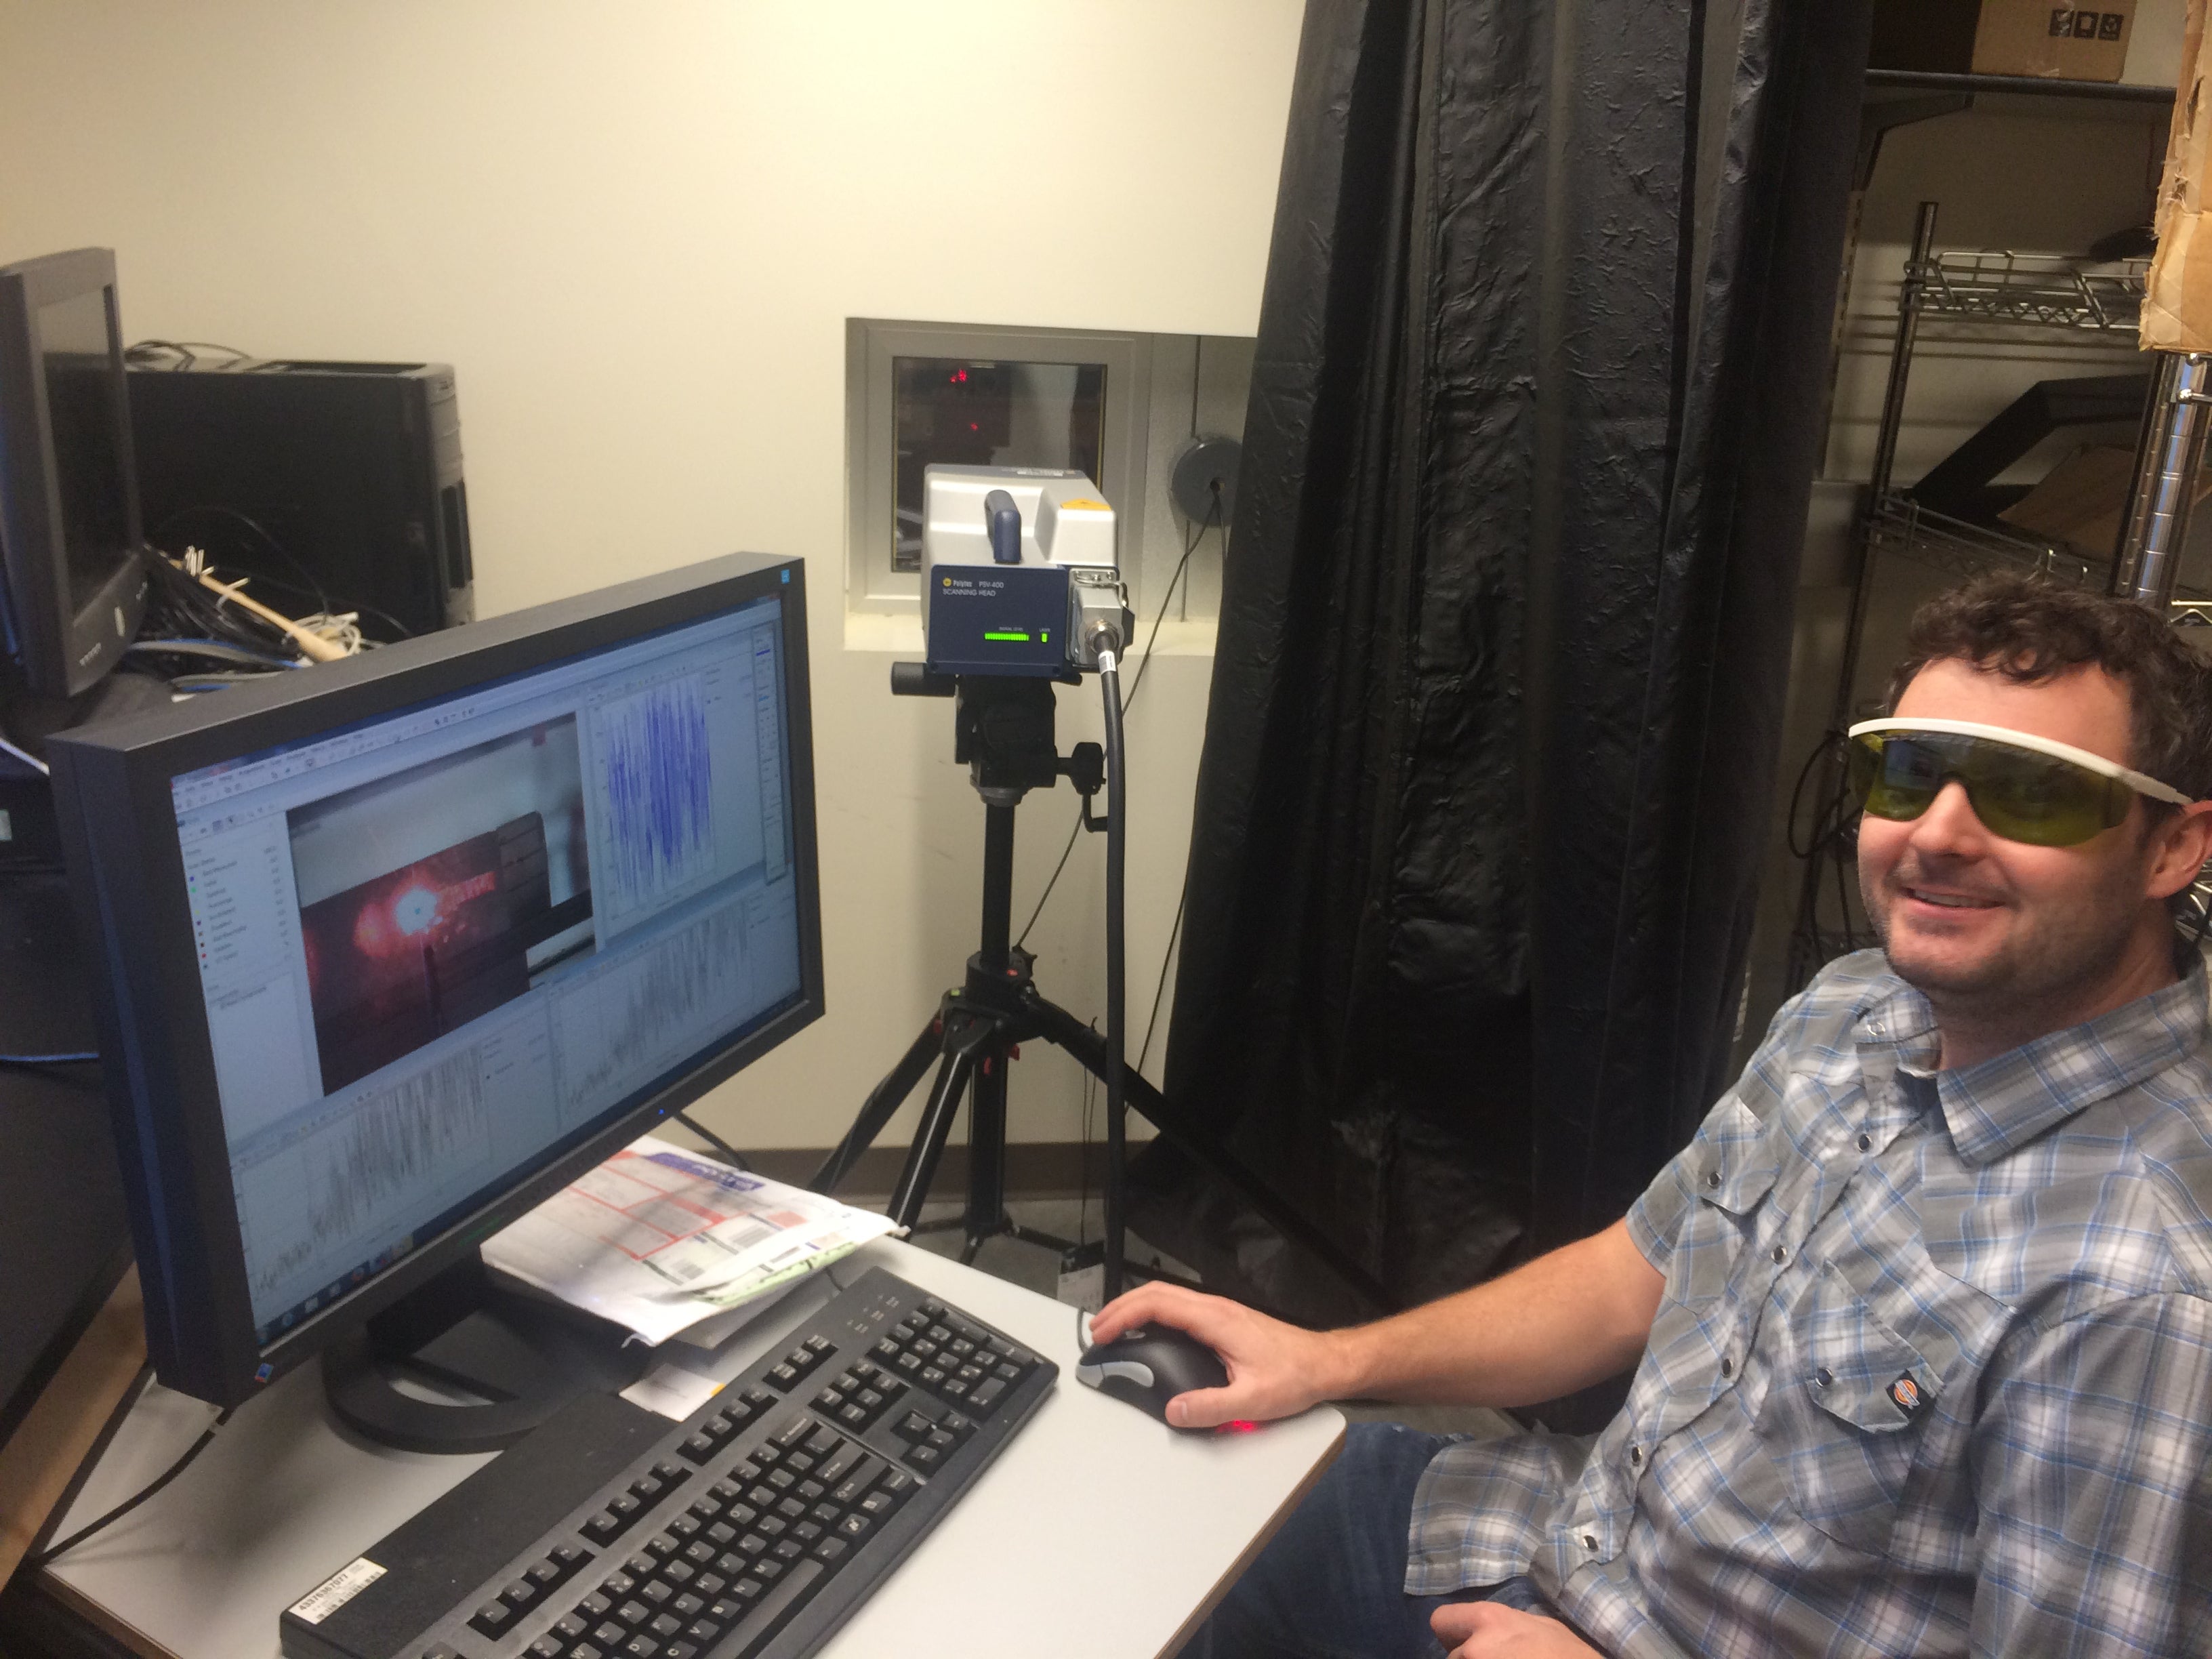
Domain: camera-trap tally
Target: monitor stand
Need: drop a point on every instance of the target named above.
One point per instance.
(518, 1357)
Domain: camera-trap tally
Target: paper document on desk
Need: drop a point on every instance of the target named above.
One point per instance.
(658, 1237)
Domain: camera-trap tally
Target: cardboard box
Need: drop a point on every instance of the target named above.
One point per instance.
(2070, 42)
(2177, 309)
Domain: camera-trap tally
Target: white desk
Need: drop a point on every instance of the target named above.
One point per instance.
(1097, 1535)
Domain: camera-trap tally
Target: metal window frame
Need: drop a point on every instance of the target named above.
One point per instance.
(872, 344)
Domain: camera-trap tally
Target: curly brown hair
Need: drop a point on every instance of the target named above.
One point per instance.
(2030, 629)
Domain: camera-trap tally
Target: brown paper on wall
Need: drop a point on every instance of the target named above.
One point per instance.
(2177, 310)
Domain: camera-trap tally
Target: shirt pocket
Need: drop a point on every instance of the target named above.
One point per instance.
(1846, 1414)
(1698, 1325)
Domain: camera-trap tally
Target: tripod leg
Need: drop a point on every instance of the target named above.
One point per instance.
(879, 1107)
(986, 1151)
(1063, 1029)
(913, 1188)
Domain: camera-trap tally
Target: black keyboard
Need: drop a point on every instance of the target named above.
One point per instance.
(755, 1527)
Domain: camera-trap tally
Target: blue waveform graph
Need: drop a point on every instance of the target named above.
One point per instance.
(660, 782)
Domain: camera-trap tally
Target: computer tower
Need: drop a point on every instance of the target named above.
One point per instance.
(336, 478)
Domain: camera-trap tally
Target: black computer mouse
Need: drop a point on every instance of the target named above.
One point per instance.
(1151, 1365)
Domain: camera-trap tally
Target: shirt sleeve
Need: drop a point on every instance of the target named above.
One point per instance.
(2091, 1468)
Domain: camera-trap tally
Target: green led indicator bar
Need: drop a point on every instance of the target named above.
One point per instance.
(1002, 634)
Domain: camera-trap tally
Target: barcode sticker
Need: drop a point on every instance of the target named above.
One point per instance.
(335, 1591)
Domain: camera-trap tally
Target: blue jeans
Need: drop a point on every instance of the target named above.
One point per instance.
(1331, 1583)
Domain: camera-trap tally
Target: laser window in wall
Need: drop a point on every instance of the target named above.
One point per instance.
(969, 412)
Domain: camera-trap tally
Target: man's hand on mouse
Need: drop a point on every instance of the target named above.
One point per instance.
(1488, 1630)
(1275, 1370)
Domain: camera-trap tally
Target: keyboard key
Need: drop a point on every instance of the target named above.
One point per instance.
(831, 1550)
(658, 1593)
(492, 1618)
(855, 1527)
(986, 1393)
(545, 1574)
(547, 1647)
(925, 1457)
(784, 1376)
(762, 1619)
(519, 1594)
(680, 1573)
(699, 1448)
(597, 1605)
(632, 1613)
(664, 1626)
(609, 1635)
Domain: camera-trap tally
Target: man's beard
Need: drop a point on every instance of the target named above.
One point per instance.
(2056, 955)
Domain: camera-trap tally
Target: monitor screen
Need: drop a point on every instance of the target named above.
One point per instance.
(434, 946)
(73, 586)
(393, 948)
(83, 374)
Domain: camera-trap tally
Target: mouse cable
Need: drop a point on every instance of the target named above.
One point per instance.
(44, 1556)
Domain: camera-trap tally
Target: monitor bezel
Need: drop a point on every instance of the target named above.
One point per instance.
(58, 652)
(126, 870)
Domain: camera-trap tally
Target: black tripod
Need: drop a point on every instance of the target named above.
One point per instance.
(1004, 731)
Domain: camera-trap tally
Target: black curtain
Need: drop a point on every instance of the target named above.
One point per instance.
(1541, 364)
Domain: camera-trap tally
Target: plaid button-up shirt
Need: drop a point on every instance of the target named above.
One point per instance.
(1932, 1373)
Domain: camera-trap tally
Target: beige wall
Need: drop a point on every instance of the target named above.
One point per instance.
(636, 232)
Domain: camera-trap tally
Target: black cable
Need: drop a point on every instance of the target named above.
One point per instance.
(1109, 684)
(1160, 985)
(314, 590)
(1136, 684)
(182, 349)
(47, 1556)
(211, 650)
(713, 1141)
(50, 1059)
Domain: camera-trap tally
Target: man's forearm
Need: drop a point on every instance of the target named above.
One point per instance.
(1566, 1320)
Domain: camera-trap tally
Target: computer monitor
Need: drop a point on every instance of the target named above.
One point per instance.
(72, 586)
(390, 949)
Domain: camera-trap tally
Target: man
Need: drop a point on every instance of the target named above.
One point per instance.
(1921, 1320)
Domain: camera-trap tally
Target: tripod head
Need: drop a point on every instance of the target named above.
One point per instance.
(1003, 733)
